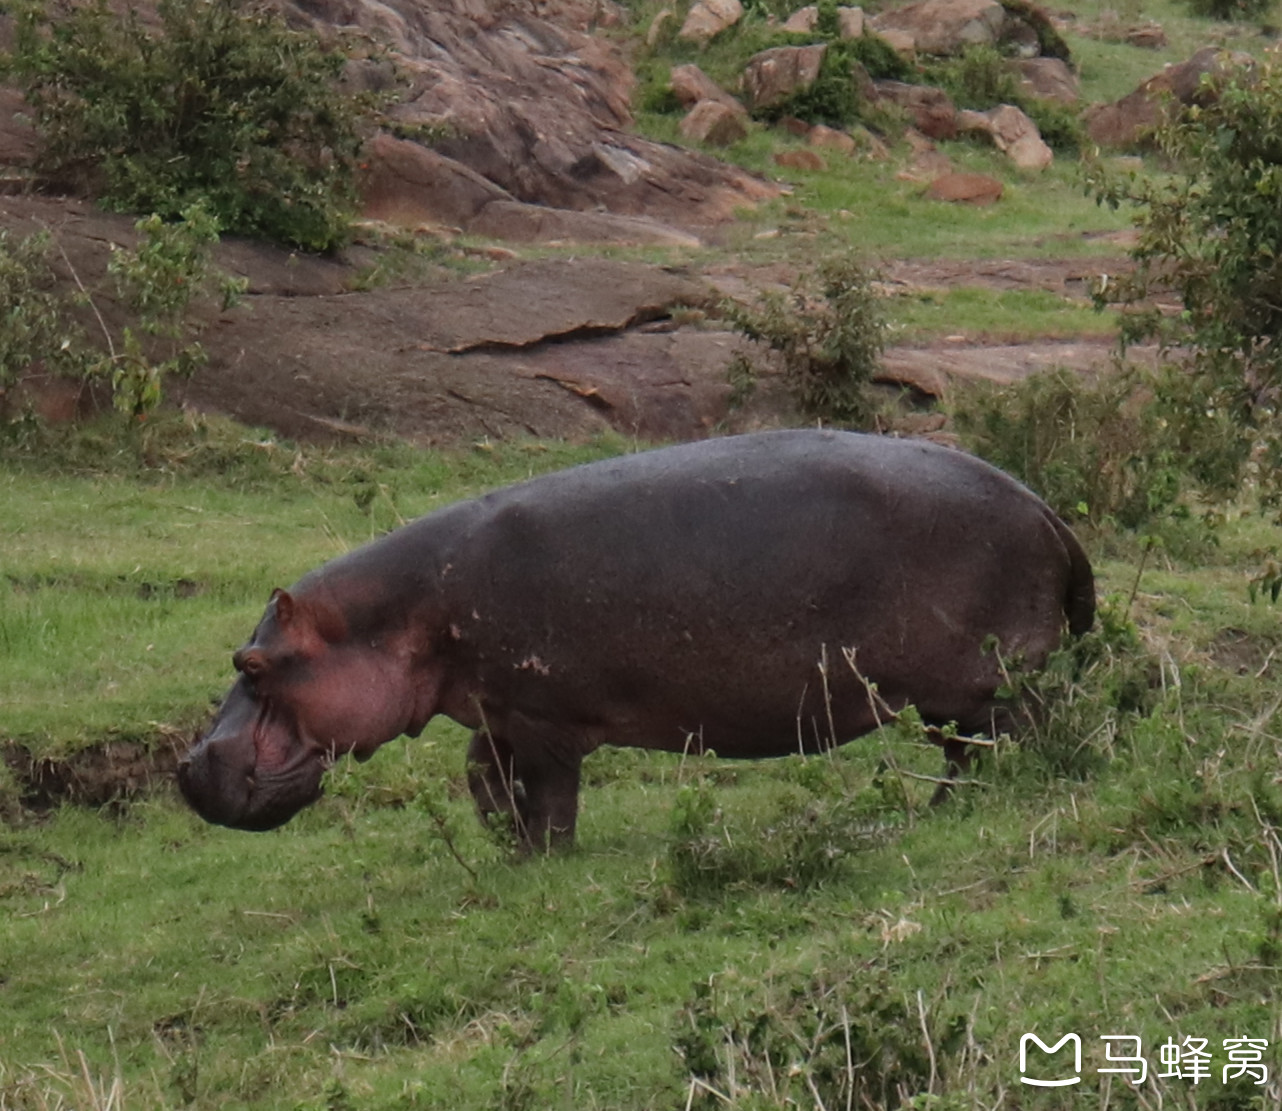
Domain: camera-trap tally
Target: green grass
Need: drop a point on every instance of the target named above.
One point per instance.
(994, 315)
(723, 924)
(121, 601)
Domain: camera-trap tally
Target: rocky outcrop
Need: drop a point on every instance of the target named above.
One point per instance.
(408, 184)
(535, 104)
(943, 26)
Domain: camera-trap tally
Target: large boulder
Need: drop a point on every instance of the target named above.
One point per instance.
(948, 27)
(944, 26)
(1126, 122)
(708, 18)
(774, 75)
(1017, 136)
(715, 123)
(1047, 79)
(930, 110)
(690, 85)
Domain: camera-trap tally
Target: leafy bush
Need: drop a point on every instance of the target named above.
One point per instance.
(35, 330)
(809, 837)
(1212, 233)
(1122, 448)
(156, 282)
(981, 78)
(830, 338)
(833, 99)
(220, 104)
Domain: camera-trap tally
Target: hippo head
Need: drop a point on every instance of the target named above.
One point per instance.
(311, 688)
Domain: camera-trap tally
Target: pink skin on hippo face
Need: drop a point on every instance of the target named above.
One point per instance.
(306, 695)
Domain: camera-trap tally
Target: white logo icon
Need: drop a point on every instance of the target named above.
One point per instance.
(1050, 1049)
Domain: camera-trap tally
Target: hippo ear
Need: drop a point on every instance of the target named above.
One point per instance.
(284, 607)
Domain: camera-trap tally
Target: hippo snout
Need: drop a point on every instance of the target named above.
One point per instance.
(222, 783)
(214, 787)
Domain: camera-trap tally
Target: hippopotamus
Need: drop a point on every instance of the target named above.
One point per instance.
(751, 596)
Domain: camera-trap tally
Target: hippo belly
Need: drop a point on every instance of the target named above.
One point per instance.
(739, 595)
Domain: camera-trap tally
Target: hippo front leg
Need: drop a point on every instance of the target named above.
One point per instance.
(492, 779)
(540, 799)
(552, 803)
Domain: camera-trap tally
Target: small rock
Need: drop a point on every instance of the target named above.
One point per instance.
(794, 126)
(691, 85)
(830, 137)
(708, 18)
(799, 160)
(850, 23)
(1017, 136)
(714, 123)
(658, 26)
(803, 21)
(1148, 37)
(1047, 79)
(976, 189)
(932, 110)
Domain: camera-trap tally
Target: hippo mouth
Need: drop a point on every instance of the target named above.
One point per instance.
(226, 781)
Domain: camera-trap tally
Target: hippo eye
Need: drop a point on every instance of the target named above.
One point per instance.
(251, 664)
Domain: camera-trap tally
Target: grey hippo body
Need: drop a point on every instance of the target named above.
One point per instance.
(705, 596)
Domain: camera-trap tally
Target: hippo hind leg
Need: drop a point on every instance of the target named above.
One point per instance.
(959, 754)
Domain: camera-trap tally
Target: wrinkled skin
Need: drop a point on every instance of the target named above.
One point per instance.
(736, 595)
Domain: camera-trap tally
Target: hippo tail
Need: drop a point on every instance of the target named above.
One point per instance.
(1079, 597)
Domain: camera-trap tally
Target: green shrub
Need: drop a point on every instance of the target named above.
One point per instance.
(156, 282)
(35, 329)
(833, 99)
(1123, 448)
(1211, 232)
(830, 338)
(807, 838)
(981, 77)
(220, 104)
(843, 1037)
